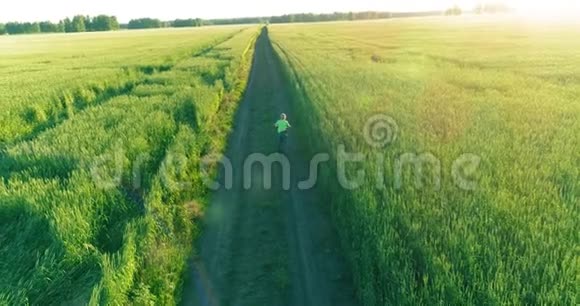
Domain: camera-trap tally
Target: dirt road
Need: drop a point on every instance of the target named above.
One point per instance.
(267, 246)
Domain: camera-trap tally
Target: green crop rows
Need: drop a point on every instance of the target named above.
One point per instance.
(95, 128)
(101, 131)
(505, 91)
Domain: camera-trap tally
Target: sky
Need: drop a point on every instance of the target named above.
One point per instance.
(54, 10)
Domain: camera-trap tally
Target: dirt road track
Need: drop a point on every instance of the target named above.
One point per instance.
(267, 246)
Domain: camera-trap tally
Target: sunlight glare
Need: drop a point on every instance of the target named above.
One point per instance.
(546, 9)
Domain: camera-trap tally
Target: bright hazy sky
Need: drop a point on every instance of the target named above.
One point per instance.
(54, 10)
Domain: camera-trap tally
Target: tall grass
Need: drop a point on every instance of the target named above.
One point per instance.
(504, 90)
(46, 79)
(79, 224)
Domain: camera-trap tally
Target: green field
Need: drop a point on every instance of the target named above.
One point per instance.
(506, 91)
(46, 77)
(93, 127)
(473, 199)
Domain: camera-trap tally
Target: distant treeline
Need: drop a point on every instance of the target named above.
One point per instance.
(148, 23)
(492, 8)
(81, 23)
(107, 23)
(290, 18)
(78, 23)
(489, 8)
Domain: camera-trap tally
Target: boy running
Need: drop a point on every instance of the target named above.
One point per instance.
(282, 127)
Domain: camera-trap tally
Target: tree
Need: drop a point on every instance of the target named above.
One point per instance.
(2, 29)
(67, 25)
(180, 23)
(33, 27)
(22, 28)
(113, 23)
(492, 8)
(454, 11)
(103, 23)
(78, 24)
(89, 26)
(48, 27)
(144, 23)
(60, 27)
